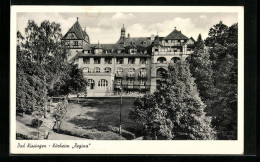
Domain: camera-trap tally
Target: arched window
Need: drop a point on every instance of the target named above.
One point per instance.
(119, 70)
(161, 60)
(102, 84)
(160, 71)
(131, 70)
(175, 59)
(107, 70)
(96, 70)
(91, 83)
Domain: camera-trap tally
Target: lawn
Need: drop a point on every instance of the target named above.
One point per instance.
(99, 119)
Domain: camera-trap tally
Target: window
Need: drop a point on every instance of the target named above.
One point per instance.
(86, 60)
(91, 83)
(175, 59)
(67, 43)
(175, 50)
(119, 70)
(102, 84)
(119, 81)
(132, 51)
(169, 41)
(75, 43)
(188, 49)
(96, 70)
(143, 60)
(108, 60)
(131, 60)
(130, 82)
(131, 70)
(161, 60)
(156, 50)
(96, 60)
(107, 70)
(142, 72)
(86, 69)
(142, 82)
(160, 71)
(119, 60)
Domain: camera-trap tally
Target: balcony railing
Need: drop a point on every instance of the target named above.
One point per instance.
(130, 75)
(142, 75)
(119, 75)
(132, 87)
(97, 74)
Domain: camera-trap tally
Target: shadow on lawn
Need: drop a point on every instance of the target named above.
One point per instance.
(107, 117)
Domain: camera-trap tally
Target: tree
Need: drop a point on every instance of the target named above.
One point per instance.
(178, 106)
(201, 70)
(223, 45)
(224, 107)
(42, 64)
(72, 82)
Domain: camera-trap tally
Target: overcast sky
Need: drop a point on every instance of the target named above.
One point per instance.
(105, 27)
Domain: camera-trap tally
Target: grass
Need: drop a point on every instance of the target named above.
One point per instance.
(99, 119)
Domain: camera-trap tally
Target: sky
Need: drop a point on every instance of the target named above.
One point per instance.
(105, 27)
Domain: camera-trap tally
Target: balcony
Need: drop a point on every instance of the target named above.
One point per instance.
(142, 75)
(97, 74)
(118, 86)
(130, 75)
(132, 87)
(118, 75)
(167, 53)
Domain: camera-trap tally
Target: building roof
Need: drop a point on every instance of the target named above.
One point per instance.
(76, 28)
(175, 34)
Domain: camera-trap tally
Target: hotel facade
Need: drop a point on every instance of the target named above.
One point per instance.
(132, 65)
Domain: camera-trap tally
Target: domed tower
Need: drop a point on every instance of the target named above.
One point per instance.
(123, 32)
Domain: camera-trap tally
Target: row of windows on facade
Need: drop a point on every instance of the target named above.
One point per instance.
(119, 70)
(103, 83)
(101, 51)
(118, 60)
(170, 50)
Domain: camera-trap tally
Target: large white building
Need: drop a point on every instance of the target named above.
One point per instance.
(132, 64)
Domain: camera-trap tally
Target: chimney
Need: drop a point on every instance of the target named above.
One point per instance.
(152, 37)
(85, 29)
(128, 35)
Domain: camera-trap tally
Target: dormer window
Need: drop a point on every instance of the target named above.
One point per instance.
(96, 60)
(108, 60)
(118, 51)
(86, 60)
(144, 42)
(131, 61)
(98, 51)
(132, 51)
(143, 60)
(119, 60)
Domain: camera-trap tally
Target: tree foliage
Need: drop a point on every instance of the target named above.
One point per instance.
(41, 64)
(176, 106)
(223, 45)
(201, 70)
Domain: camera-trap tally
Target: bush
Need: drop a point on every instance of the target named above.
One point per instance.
(36, 123)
